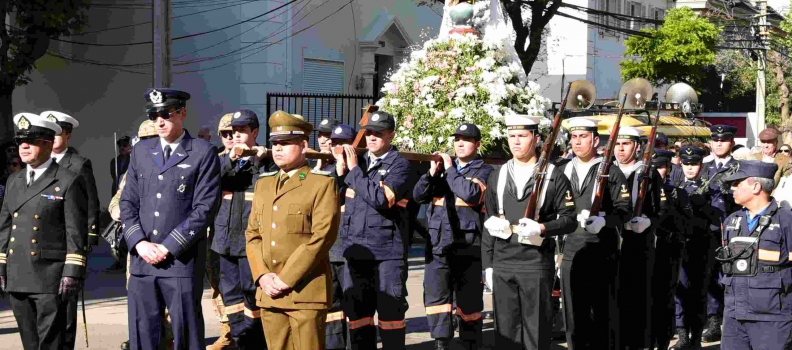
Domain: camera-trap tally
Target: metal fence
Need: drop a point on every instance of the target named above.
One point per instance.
(314, 107)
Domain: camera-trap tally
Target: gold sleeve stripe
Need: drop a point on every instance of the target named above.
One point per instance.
(335, 316)
(73, 262)
(75, 256)
(388, 194)
(438, 309)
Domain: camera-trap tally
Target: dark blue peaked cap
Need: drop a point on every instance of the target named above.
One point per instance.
(342, 132)
(245, 117)
(159, 99)
(752, 168)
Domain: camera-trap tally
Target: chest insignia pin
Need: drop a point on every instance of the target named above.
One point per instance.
(181, 189)
(568, 196)
(624, 189)
(57, 189)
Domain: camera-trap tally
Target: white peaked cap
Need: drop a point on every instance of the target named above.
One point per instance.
(522, 120)
(630, 132)
(61, 117)
(34, 120)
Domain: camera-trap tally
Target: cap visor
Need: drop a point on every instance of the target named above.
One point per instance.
(285, 137)
(376, 128)
(734, 177)
(253, 125)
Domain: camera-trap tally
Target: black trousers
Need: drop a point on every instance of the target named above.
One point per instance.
(523, 310)
(335, 325)
(588, 289)
(41, 319)
(634, 286)
(70, 336)
(450, 277)
(665, 276)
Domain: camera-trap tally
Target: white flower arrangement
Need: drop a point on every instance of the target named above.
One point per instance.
(454, 80)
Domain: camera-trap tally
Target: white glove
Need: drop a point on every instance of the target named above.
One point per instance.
(594, 224)
(528, 228)
(640, 224)
(498, 227)
(488, 278)
(582, 217)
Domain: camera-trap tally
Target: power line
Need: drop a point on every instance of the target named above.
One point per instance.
(265, 47)
(94, 63)
(180, 37)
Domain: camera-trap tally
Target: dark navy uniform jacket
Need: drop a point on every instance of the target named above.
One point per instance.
(171, 204)
(337, 250)
(705, 215)
(557, 213)
(721, 198)
(43, 231)
(374, 224)
(768, 295)
(238, 185)
(456, 200)
(81, 165)
(675, 210)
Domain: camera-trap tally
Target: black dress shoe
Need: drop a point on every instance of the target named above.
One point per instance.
(125, 345)
(442, 344)
(684, 341)
(713, 331)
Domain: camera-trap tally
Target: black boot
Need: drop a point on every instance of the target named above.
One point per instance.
(695, 339)
(125, 345)
(712, 332)
(684, 341)
(442, 344)
(469, 345)
(662, 344)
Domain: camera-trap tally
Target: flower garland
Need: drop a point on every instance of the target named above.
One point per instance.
(454, 80)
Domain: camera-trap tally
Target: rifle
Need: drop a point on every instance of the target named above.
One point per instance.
(604, 169)
(543, 161)
(647, 162)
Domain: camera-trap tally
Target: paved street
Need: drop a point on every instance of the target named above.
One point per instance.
(106, 310)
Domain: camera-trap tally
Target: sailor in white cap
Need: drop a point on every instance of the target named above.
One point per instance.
(68, 159)
(588, 270)
(635, 270)
(43, 240)
(517, 252)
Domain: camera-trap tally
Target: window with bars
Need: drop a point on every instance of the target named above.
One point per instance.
(658, 15)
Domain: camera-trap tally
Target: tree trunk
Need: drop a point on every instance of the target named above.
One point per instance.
(778, 67)
(6, 116)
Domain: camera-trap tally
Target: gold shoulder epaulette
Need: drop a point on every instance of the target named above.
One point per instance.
(271, 173)
(320, 172)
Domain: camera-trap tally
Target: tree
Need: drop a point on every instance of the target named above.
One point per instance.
(677, 51)
(529, 20)
(25, 35)
(778, 64)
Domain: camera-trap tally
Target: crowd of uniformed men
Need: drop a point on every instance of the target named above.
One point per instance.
(306, 256)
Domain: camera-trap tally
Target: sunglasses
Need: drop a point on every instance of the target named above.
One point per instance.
(30, 141)
(162, 114)
(226, 134)
(784, 151)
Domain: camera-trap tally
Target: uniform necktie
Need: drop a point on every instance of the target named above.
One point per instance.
(167, 153)
(281, 181)
(32, 177)
(242, 163)
(719, 166)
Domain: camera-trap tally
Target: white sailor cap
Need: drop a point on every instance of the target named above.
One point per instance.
(522, 122)
(629, 133)
(65, 121)
(582, 124)
(32, 125)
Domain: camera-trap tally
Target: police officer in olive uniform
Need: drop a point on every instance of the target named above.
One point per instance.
(668, 243)
(589, 265)
(238, 174)
(80, 165)
(171, 195)
(517, 252)
(293, 224)
(375, 239)
(756, 264)
(690, 295)
(721, 144)
(454, 190)
(637, 244)
(336, 326)
(43, 238)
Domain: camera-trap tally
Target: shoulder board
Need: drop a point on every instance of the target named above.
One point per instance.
(320, 172)
(271, 173)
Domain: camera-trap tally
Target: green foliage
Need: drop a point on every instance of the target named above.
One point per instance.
(676, 51)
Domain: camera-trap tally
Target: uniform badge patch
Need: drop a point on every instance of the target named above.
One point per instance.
(624, 189)
(568, 196)
(192, 233)
(301, 175)
(742, 265)
(184, 166)
(182, 187)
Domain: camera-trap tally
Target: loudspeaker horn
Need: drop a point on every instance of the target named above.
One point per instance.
(638, 90)
(582, 94)
(684, 95)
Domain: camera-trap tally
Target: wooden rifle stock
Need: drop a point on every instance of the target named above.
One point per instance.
(531, 211)
(604, 169)
(647, 166)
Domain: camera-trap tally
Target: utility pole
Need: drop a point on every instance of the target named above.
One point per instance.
(161, 38)
(761, 66)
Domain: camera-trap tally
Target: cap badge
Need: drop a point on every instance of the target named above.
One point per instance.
(338, 131)
(155, 96)
(325, 122)
(23, 124)
(689, 151)
(280, 128)
(237, 115)
(463, 127)
(52, 118)
(720, 129)
(375, 117)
